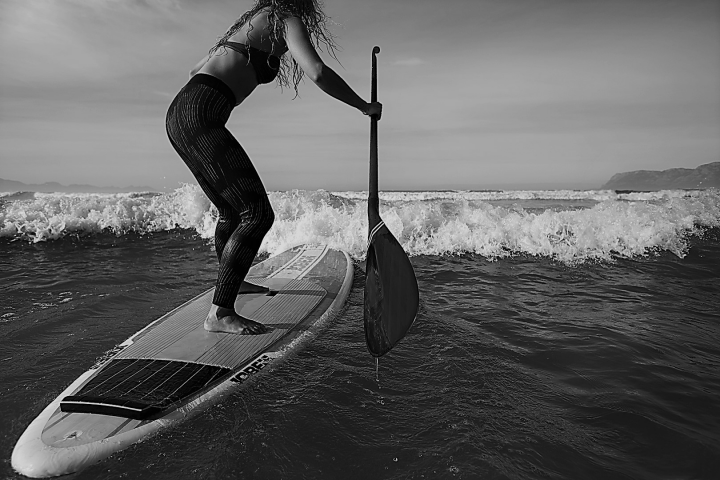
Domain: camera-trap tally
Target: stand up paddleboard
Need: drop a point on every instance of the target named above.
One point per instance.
(173, 368)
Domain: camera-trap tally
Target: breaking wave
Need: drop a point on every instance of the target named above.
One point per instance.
(568, 226)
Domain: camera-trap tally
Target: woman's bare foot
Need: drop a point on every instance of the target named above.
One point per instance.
(248, 287)
(226, 320)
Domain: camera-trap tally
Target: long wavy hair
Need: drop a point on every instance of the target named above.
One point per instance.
(311, 14)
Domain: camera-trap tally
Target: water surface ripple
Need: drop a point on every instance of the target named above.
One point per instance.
(518, 368)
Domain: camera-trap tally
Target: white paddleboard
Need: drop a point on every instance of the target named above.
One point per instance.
(173, 368)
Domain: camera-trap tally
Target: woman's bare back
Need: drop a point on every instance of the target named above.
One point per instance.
(232, 67)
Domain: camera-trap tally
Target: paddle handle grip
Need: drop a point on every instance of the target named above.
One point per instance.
(373, 199)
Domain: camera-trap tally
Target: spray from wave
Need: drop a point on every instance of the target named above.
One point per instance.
(568, 226)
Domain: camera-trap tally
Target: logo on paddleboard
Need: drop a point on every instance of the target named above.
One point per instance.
(257, 365)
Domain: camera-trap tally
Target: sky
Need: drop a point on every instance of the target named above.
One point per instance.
(477, 94)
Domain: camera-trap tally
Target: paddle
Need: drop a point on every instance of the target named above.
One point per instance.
(391, 290)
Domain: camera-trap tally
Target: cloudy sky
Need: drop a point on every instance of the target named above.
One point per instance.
(477, 93)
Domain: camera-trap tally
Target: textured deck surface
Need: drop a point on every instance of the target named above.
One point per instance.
(183, 337)
(176, 357)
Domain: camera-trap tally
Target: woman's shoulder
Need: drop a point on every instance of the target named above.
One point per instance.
(293, 21)
(262, 18)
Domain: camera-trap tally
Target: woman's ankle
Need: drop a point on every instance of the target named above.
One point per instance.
(219, 311)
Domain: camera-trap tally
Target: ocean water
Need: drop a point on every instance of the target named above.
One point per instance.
(561, 334)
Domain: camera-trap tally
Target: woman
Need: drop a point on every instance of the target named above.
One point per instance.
(251, 52)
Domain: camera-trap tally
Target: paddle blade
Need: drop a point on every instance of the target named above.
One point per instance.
(391, 293)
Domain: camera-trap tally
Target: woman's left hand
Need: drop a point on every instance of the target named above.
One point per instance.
(374, 109)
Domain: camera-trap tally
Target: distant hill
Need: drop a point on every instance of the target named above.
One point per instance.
(50, 187)
(704, 176)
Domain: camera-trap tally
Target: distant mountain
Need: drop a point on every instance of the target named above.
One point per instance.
(50, 187)
(704, 176)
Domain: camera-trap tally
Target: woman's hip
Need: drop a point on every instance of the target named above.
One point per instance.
(204, 102)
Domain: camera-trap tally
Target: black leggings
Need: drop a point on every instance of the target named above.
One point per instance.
(196, 127)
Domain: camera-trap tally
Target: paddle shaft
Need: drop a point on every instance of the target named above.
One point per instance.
(391, 294)
(373, 199)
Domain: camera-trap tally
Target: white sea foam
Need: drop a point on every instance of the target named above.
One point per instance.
(575, 226)
(500, 195)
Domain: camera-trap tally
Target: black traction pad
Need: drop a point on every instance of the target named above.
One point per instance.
(141, 388)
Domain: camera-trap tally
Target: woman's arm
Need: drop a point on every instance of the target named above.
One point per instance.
(302, 50)
(199, 65)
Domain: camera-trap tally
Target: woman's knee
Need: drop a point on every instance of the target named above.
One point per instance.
(268, 215)
(228, 215)
(261, 216)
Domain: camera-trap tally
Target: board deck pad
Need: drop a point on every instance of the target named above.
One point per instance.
(139, 389)
(179, 357)
(173, 365)
(183, 337)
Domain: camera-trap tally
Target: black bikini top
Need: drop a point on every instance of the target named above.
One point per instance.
(266, 65)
